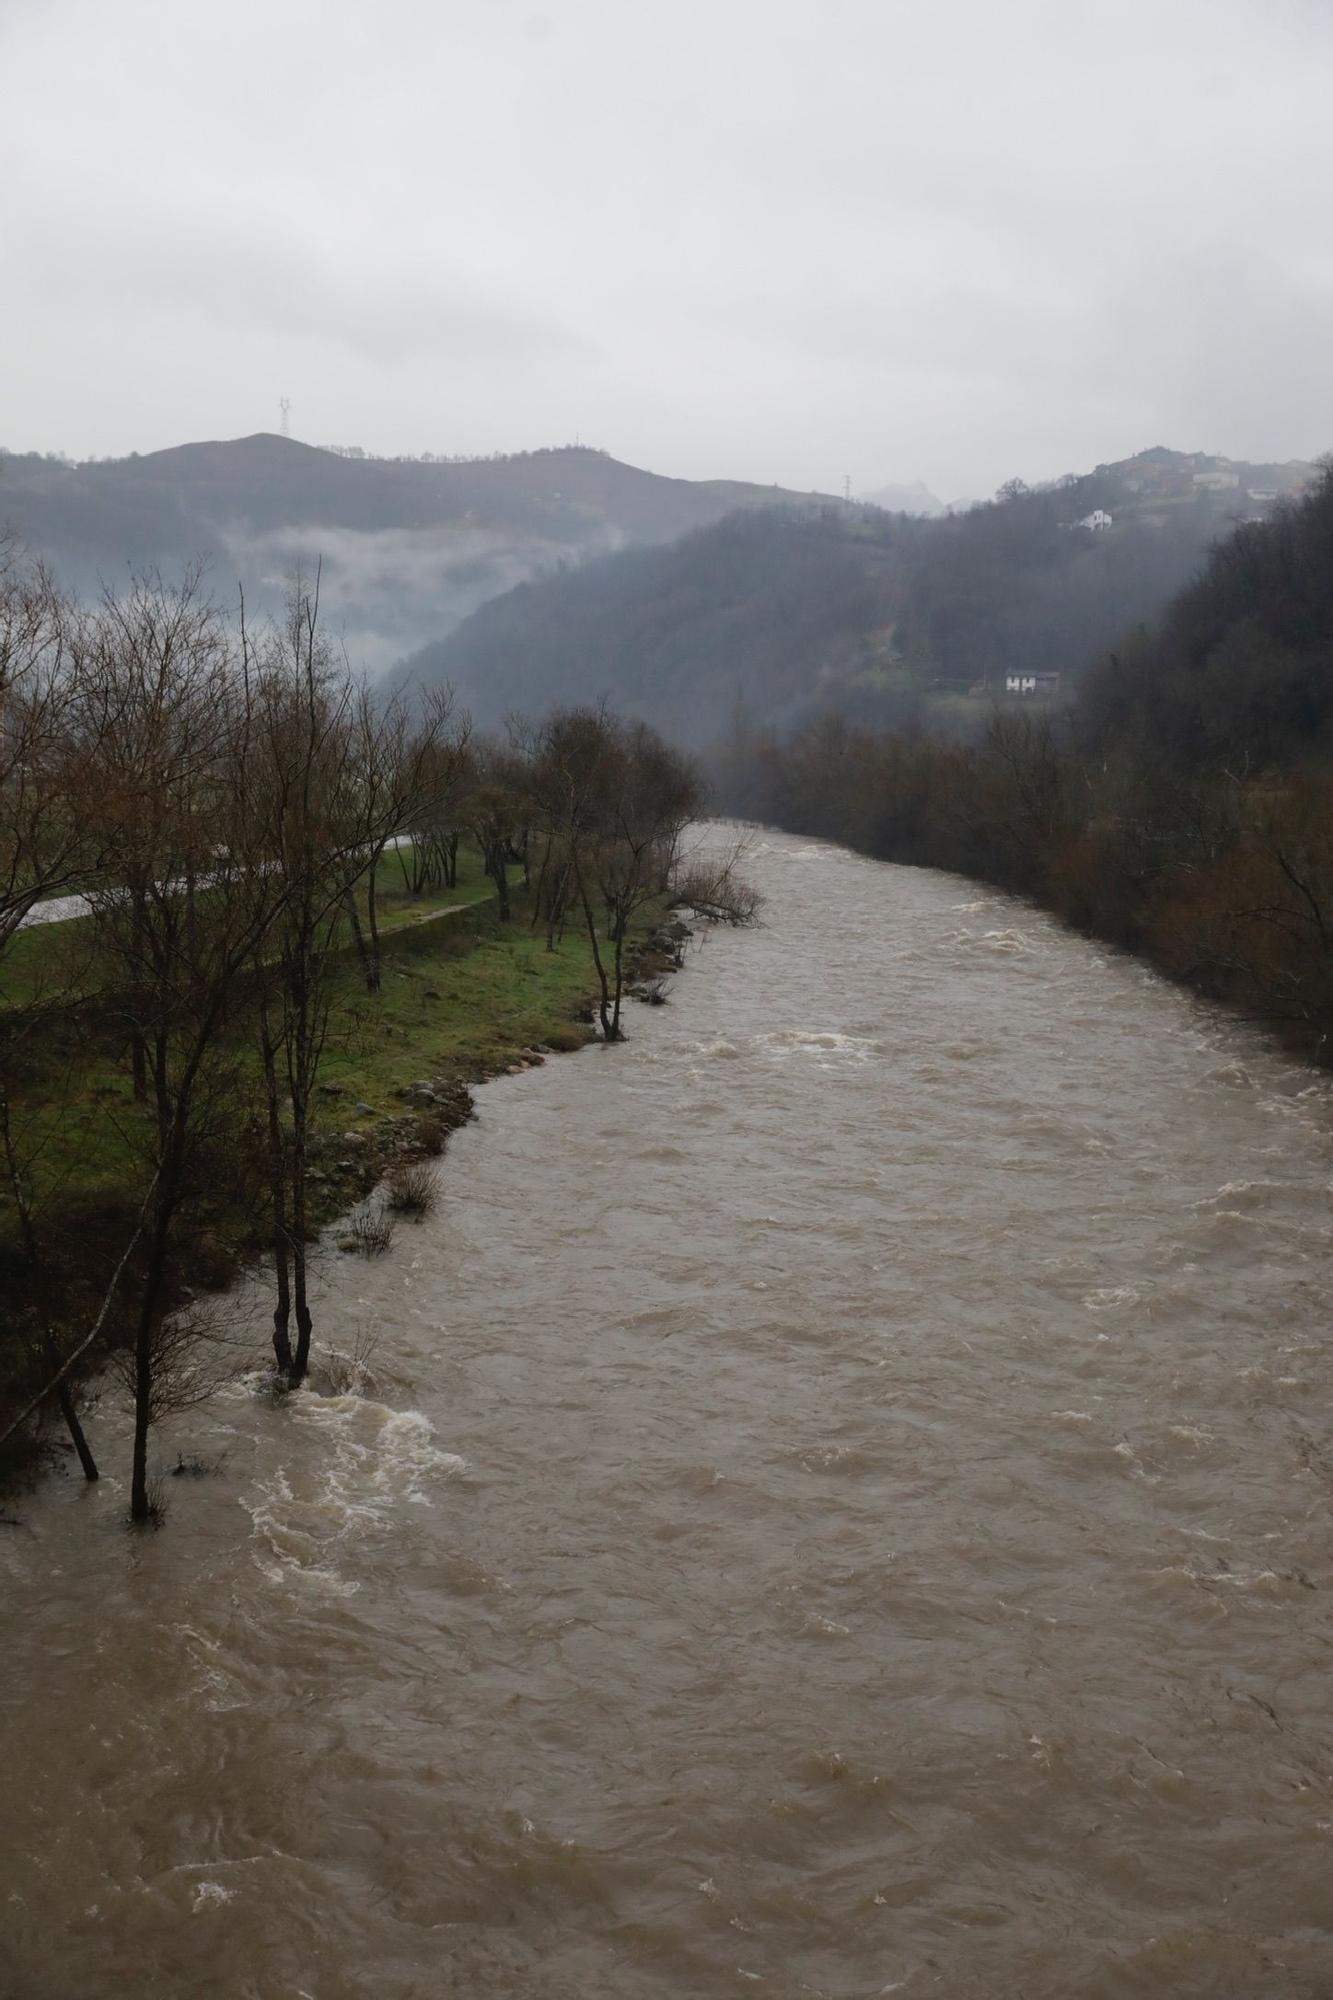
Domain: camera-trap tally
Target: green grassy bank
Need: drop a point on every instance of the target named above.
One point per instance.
(462, 997)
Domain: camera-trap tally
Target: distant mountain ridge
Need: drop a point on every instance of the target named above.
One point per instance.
(409, 546)
(913, 498)
(891, 618)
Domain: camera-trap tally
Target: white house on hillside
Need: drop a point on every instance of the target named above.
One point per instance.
(1098, 518)
(1024, 683)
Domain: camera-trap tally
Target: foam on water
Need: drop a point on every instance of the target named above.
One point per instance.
(823, 1044)
(368, 1460)
(209, 1895)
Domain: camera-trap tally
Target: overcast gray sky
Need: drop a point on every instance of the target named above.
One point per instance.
(954, 240)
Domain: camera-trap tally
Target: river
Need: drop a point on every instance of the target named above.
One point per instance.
(838, 1504)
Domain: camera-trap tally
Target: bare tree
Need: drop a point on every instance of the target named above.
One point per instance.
(711, 886)
(174, 797)
(49, 720)
(311, 840)
(429, 856)
(613, 801)
(495, 807)
(39, 1337)
(47, 725)
(403, 762)
(341, 778)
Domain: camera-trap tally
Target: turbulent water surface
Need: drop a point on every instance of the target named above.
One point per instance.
(839, 1504)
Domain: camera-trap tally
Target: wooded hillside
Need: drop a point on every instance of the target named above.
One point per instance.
(409, 546)
(891, 619)
(1180, 806)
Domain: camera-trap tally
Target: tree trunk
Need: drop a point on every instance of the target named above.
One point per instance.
(300, 1125)
(141, 1508)
(604, 1003)
(74, 1427)
(614, 1036)
(358, 935)
(304, 1320)
(173, 1134)
(138, 1043)
(50, 1349)
(541, 905)
(282, 1346)
(139, 1066)
(373, 964)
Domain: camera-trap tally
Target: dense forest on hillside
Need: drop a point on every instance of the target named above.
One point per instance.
(409, 546)
(891, 619)
(1179, 807)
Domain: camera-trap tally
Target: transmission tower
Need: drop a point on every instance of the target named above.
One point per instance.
(284, 404)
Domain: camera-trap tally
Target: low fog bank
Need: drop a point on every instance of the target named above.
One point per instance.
(393, 591)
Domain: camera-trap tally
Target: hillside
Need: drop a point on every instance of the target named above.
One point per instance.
(1181, 807)
(889, 618)
(409, 546)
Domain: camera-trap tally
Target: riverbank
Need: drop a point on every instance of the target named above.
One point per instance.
(1225, 891)
(462, 997)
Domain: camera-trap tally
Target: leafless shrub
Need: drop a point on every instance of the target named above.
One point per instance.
(714, 889)
(195, 1467)
(348, 1373)
(372, 1229)
(414, 1189)
(653, 993)
(431, 1133)
(193, 1351)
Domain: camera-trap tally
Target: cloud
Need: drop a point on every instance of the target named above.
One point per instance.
(232, 273)
(743, 237)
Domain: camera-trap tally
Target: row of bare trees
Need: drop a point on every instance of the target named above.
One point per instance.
(1220, 874)
(224, 802)
(216, 797)
(593, 811)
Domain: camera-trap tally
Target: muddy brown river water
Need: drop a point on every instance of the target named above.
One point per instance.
(839, 1504)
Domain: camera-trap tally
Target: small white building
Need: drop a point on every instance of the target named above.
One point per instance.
(1032, 684)
(1096, 520)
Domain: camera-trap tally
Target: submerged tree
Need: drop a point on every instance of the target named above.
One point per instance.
(341, 779)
